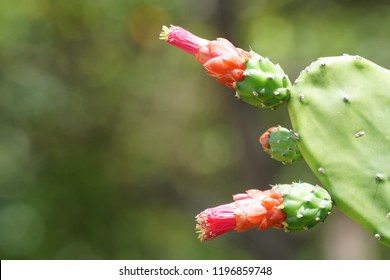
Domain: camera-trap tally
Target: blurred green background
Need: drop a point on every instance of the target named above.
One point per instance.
(111, 141)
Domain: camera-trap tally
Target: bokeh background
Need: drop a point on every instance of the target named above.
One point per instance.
(111, 141)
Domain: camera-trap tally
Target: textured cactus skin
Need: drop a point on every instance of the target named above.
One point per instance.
(340, 107)
(305, 205)
(265, 84)
(281, 144)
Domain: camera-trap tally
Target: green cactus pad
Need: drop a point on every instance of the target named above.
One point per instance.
(265, 84)
(282, 145)
(340, 107)
(305, 205)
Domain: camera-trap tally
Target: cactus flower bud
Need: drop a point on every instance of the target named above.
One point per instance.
(219, 57)
(254, 208)
(281, 144)
(294, 207)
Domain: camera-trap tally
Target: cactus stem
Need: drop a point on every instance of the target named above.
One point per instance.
(377, 236)
(321, 170)
(360, 134)
(255, 93)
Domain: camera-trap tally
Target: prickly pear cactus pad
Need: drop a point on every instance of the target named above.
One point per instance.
(340, 108)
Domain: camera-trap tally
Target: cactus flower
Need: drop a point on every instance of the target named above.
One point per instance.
(294, 207)
(255, 79)
(254, 208)
(219, 57)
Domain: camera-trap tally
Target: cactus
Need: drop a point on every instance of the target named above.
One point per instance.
(339, 110)
(281, 144)
(294, 207)
(256, 79)
(264, 84)
(340, 107)
(305, 205)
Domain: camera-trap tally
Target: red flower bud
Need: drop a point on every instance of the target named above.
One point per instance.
(222, 60)
(254, 208)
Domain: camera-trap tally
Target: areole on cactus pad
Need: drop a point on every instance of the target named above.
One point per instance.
(339, 109)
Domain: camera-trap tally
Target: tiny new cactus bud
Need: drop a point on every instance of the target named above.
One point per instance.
(256, 79)
(281, 144)
(298, 206)
(219, 57)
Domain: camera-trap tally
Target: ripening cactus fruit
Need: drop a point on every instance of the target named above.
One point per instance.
(305, 205)
(294, 207)
(264, 83)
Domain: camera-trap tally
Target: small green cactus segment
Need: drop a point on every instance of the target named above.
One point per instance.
(305, 205)
(281, 144)
(340, 107)
(265, 84)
